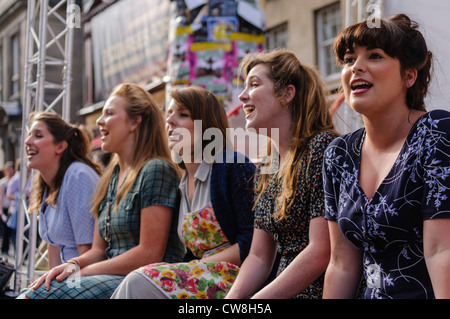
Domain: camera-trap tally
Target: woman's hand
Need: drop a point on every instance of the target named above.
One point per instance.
(58, 273)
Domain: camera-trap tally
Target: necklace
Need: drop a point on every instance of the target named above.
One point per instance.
(124, 177)
(108, 207)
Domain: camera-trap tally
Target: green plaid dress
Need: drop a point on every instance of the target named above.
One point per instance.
(156, 184)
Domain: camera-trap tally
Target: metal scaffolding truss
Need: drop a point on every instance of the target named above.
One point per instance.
(49, 42)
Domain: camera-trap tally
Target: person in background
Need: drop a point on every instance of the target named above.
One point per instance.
(135, 206)
(287, 101)
(387, 184)
(13, 194)
(103, 159)
(215, 218)
(63, 186)
(5, 202)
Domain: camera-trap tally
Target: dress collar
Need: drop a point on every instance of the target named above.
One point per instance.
(201, 174)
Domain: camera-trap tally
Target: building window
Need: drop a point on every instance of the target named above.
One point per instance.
(15, 67)
(328, 26)
(277, 37)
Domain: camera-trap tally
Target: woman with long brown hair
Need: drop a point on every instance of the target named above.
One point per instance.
(135, 205)
(63, 185)
(286, 100)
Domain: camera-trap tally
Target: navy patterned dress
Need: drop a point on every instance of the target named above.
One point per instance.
(388, 228)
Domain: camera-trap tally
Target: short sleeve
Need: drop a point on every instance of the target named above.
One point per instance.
(315, 174)
(436, 170)
(330, 177)
(80, 186)
(159, 184)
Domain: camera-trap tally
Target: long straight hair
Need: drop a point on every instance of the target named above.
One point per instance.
(310, 113)
(151, 140)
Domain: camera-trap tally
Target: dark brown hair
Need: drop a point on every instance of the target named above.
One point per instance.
(400, 38)
(77, 150)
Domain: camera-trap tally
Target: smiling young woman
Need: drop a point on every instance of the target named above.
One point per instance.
(281, 94)
(386, 184)
(63, 186)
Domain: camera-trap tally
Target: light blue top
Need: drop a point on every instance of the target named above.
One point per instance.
(70, 222)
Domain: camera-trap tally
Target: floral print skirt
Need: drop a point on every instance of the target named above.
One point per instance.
(196, 279)
(193, 280)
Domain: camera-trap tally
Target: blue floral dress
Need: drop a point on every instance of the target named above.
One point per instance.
(388, 228)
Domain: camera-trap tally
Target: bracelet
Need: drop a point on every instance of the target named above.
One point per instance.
(73, 261)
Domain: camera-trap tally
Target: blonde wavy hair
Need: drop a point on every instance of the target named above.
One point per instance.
(151, 140)
(310, 113)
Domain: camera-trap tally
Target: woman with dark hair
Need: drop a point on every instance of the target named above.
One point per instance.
(286, 100)
(215, 218)
(135, 205)
(63, 186)
(387, 185)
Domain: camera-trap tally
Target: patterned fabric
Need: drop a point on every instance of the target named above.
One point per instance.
(388, 228)
(91, 287)
(202, 233)
(70, 222)
(218, 216)
(156, 184)
(193, 280)
(291, 232)
(196, 280)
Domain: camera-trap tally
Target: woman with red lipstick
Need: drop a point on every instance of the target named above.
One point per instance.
(387, 184)
(287, 101)
(135, 205)
(63, 185)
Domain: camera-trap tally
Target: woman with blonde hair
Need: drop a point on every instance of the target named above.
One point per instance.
(135, 205)
(287, 100)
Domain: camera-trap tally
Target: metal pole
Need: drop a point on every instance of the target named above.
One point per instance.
(35, 100)
(67, 81)
(27, 103)
(40, 76)
(40, 91)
